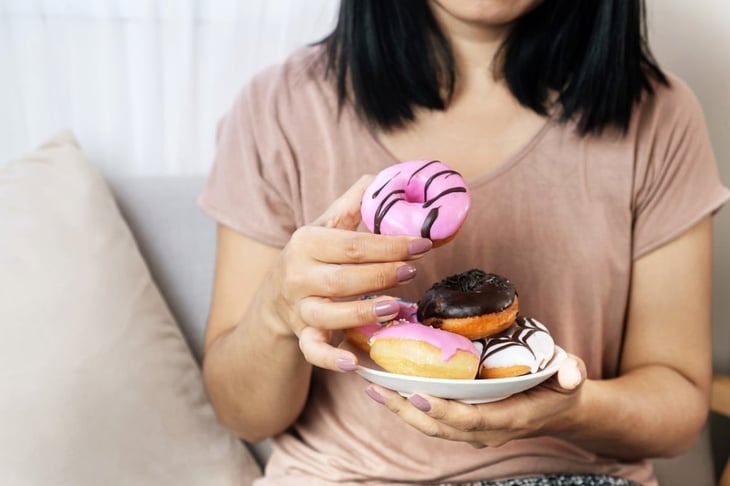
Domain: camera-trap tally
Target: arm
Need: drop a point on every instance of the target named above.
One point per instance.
(656, 407)
(240, 376)
(660, 402)
(273, 311)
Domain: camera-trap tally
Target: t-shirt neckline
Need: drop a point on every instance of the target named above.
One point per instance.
(492, 173)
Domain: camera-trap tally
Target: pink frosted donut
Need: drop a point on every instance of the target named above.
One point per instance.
(416, 198)
(417, 350)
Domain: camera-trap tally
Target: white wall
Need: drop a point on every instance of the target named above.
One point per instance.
(142, 83)
(692, 39)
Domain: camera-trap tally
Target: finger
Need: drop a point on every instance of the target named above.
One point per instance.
(325, 314)
(330, 245)
(344, 212)
(570, 376)
(341, 281)
(315, 346)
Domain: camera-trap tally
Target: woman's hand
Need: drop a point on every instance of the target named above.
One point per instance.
(325, 265)
(543, 410)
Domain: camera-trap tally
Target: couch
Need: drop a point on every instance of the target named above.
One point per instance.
(177, 244)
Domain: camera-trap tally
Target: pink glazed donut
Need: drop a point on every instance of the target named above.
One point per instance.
(416, 350)
(416, 198)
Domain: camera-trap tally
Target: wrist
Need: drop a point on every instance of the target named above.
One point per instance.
(569, 423)
(273, 316)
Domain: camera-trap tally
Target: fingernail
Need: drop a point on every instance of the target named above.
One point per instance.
(416, 247)
(420, 403)
(386, 308)
(346, 364)
(405, 273)
(375, 395)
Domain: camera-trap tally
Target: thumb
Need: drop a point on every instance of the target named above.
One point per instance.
(344, 212)
(572, 373)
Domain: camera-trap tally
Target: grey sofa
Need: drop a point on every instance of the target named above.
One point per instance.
(178, 242)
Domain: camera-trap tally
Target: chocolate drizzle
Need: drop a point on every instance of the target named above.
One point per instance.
(388, 202)
(517, 335)
(421, 168)
(450, 190)
(377, 192)
(466, 294)
(428, 222)
(497, 344)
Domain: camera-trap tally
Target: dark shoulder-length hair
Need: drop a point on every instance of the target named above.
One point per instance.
(389, 57)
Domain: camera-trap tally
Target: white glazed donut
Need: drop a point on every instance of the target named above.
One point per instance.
(524, 348)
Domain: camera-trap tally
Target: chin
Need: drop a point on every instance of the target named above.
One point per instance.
(486, 12)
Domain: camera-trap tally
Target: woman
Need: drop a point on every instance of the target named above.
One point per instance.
(593, 184)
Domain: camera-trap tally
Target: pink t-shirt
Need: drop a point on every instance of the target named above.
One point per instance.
(563, 219)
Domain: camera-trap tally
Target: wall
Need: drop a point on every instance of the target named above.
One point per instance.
(142, 83)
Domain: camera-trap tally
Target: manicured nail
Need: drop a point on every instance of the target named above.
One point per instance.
(420, 403)
(405, 273)
(346, 364)
(386, 308)
(416, 247)
(375, 395)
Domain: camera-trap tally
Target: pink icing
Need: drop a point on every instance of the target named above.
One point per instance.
(448, 342)
(417, 198)
(368, 329)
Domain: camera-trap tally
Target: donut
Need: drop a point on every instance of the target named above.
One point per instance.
(416, 198)
(360, 335)
(526, 347)
(474, 304)
(416, 350)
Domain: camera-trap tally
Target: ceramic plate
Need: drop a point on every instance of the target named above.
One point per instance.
(467, 391)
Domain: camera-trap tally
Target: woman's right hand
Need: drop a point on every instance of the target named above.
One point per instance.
(313, 286)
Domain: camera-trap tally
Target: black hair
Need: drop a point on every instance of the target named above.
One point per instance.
(390, 56)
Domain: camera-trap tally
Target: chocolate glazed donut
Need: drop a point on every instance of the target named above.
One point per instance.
(474, 304)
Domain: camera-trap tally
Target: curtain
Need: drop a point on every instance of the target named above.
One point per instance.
(142, 83)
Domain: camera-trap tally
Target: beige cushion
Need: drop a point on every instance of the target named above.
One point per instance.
(97, 385)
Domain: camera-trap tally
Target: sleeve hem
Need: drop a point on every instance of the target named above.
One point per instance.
(221, 217)
(709, 209)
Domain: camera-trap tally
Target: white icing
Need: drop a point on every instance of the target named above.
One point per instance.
(527, 342)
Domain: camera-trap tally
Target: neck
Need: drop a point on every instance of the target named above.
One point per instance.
(474, 47)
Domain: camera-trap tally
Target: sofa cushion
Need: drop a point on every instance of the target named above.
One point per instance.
(177, 240)
(98, 385)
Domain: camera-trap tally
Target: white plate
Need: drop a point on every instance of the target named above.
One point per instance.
(467, 391)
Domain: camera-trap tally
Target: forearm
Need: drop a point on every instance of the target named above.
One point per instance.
(652, 411)
(257, 380)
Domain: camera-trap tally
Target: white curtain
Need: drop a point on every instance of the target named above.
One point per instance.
(142, 83)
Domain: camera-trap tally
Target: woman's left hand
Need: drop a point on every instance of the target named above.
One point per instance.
(543, 410)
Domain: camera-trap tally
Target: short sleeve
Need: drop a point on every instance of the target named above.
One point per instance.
(676, 180)
(249, 187)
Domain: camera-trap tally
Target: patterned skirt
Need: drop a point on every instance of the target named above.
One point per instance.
(555, 480)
